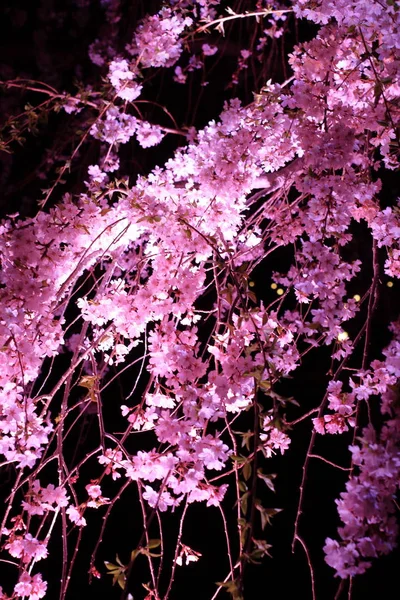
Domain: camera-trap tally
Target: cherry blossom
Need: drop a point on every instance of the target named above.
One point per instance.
(150, 280)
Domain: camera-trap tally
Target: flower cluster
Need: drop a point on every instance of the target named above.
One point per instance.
(273, 438)
(157, 42)
(121, 78)
(32, 587)
(152, 278)
(367, 507)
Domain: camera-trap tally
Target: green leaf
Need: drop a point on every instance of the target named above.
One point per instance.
(134, 554)
(267, 479)
(247, 469)
(117, 572)
(264, 385)
(121, 580)
(246, 437)
(88, 381)
(262, 547)
(266, 514)
(117, 558)
(393, 3)
(153, 544)
(256, 374)
(232, 588)
(237, 458)
(244, 502)
(242, 486)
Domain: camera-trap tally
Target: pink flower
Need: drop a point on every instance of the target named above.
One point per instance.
(148, 135)
(32, 587)
(75, 516)
(157, 40)
(27, 548)
(161, 501)
(209, 50)
(94, 491)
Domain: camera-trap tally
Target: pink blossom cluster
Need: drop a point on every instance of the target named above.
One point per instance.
(40, 499)
(374, 18)
(28, 586)
(117, 126)
(343, 406)
(23, 432)
(134, 262)
(273, 438)
(367, 507)
(202, 9)
(121, 78)
(157, 42)
(27, 548)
